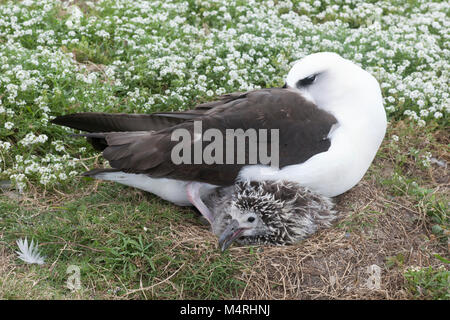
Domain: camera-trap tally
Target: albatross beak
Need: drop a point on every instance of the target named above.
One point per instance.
(231, 232)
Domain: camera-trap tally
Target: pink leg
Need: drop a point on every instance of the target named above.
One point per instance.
(193, 193)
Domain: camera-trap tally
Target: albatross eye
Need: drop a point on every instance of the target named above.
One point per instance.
(306, 81)
(251, 219)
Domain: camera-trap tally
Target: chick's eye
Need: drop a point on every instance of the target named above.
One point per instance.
(306, 81)
(251, 219)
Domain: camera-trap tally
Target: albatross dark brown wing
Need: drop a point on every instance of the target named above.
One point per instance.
(120, 122)
(114, 122)
(303, 131)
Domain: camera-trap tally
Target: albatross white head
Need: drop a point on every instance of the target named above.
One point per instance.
(340, 87)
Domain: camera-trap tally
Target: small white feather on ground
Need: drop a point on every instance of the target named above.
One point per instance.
(29, 254)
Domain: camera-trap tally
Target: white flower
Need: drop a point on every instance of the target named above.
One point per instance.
(438, 115)
(42, 138)
(102, 34)
(394, 137)
(73, 173)
(391, 99)
(9, 125)
(30, 138)
(424, 113)
(29, 254)
(5, 145)
(390, 108)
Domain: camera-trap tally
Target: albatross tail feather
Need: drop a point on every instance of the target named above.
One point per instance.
(98, 173)
(115, 122)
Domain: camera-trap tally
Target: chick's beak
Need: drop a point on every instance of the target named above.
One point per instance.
(231, 232)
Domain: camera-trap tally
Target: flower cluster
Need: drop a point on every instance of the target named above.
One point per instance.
(143, 56)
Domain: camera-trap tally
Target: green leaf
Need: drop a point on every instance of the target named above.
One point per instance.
(442, 258)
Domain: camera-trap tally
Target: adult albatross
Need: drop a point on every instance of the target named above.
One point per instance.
(329, 114)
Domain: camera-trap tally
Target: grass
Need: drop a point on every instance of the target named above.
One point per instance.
(106, 239)
(429, 283)
(147, 56)
(129, 244)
